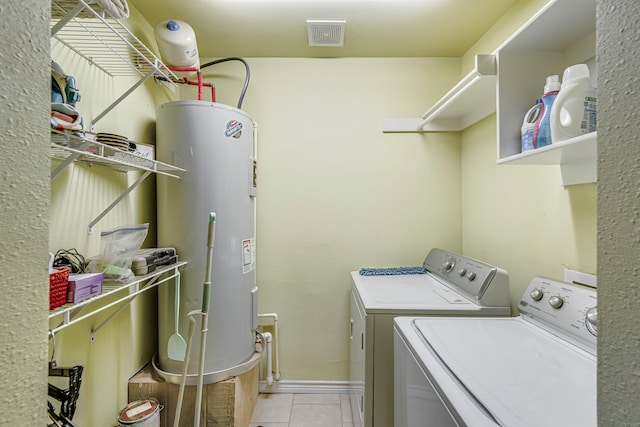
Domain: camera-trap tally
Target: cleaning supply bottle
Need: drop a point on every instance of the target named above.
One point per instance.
(528, 131)
(574, 109)
(551, 90)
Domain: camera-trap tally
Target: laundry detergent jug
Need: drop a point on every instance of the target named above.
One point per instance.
(574, 110)
(551, 90)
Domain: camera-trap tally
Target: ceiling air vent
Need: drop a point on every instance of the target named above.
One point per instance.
(325, 33)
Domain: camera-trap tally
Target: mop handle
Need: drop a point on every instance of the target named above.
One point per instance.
(207, 284)
(206, 293)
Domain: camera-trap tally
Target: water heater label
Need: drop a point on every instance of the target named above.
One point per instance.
(233, 129)
(248, 255)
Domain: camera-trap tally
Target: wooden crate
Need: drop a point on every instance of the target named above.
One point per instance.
(227, 403)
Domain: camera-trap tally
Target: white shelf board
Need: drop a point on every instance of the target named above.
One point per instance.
(472, 99)
(576, 156)
(551, 30)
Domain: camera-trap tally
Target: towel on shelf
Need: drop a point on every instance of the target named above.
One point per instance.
(392, 271)
(65, 117)
(118, 9)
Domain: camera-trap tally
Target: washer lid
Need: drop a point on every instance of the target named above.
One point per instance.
(523, 375)
(418, 293)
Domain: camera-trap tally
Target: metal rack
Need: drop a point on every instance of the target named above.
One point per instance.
(107, 44)
(70, 148)
(72, 313)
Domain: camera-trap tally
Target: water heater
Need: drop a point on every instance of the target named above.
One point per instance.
(214, 144)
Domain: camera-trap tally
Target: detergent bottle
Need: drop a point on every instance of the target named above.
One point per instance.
(551, 90)
(574, 110)
(529, 127)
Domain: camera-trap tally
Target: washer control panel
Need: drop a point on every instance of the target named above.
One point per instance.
(565, 309)
(486, 284)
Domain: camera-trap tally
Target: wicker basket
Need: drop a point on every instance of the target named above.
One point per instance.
(58, 285)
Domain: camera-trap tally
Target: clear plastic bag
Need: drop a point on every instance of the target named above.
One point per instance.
(118, 247)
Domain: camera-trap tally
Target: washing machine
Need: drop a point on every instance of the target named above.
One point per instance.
(536, 369)
(450, 285)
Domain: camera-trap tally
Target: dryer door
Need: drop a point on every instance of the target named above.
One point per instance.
(357, 361)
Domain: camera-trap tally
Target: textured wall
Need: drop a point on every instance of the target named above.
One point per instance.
(618, 35)
(24, 205)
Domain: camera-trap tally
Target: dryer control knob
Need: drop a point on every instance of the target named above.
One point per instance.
(592, 320)
(462, 272)
(556, 301)
(448, 265)
(471, 276)
(536, 294)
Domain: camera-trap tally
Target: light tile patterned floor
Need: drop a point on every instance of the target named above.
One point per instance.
(302, 410)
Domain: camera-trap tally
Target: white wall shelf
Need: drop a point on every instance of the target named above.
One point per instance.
(70, 314)
(561, 34)
(509, 81)
(472, 99)
(71, 148)
(107, 44)
(577, 158)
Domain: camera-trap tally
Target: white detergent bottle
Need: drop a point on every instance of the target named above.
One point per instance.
(574, 110)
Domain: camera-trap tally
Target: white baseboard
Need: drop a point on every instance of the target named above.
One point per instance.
(299, 386)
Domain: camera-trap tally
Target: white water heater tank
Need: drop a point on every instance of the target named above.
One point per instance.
(214, 143)
(177, 43)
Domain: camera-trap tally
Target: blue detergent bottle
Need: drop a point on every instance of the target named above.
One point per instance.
(529, 128)
(542, 131)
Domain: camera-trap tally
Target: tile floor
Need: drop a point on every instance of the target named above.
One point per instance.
(302, 410)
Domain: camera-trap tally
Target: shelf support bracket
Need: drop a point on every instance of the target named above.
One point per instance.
(62, 166)
(66, 162)
(125, 304)
(118, 200)
(123, 96)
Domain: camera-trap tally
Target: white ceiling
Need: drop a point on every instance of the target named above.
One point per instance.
(374, 28)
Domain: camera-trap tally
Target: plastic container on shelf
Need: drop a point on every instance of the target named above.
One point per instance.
(529, 127)
(574, 109)
(177, 43)
(551, 90)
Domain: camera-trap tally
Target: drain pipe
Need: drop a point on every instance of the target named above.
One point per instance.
(276, 334)
(268, 339)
